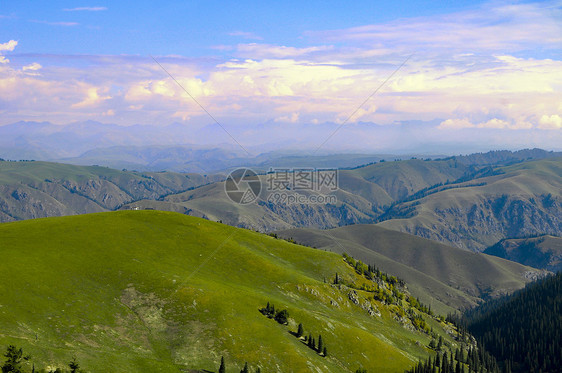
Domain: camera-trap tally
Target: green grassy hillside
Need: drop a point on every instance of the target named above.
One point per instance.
(162, 292)
(539, 252)
(446, 277)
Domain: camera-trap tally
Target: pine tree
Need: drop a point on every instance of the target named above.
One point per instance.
(300, 331)
(14, 360)
(74, 366)
(222, 368)
(320, 344)
(325, 352)
(445, 363)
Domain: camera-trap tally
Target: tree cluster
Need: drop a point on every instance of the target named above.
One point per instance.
(281, 316)
(476, 360)
(15, 360)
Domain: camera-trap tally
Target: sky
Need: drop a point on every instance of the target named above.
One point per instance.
(460, 70)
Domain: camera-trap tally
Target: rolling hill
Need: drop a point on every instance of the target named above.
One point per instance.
(162, 292)
(446, 277)
(539, 252)
(520, 200)
(364, 193)
(470, 202)
(467, 206)
(30, 189)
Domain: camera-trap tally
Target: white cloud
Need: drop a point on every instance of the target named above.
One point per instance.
(9, 46)
(259, 51)
(85, 8)
(469, 72)
(65, 24)
(551, 122)
(92, 98)
(293, 118)
(33, 67)
(245, 35)
(491, 27)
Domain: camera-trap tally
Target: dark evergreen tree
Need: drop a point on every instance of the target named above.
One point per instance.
(325, 351)
(300, 331)
(282, 317)
(320, 344)
(74, 366)
(222, 368)
(14, 360)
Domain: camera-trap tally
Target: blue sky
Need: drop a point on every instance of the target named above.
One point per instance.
(190, 28)
(283, 66)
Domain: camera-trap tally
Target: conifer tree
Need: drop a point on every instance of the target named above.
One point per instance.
(222, 368)
(320, 344)
(74, 366)
(300, 331)
(14, 360)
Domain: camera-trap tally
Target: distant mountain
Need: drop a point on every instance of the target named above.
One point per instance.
(505, 157)
(465, 205)
(446, 277)
(363, 194)
(468, 206)
(520, 200)
(539, 252)
(42, 189)
(208, 149)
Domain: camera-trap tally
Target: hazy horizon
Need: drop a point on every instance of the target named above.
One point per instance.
(372, 77)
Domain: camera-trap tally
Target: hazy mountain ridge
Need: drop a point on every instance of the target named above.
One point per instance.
(468, 206)
(40, 189)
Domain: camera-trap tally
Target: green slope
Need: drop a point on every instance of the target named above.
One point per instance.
(446, 277)
(158, 291)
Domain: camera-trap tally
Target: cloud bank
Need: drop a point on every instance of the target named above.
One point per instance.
(494, 68)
